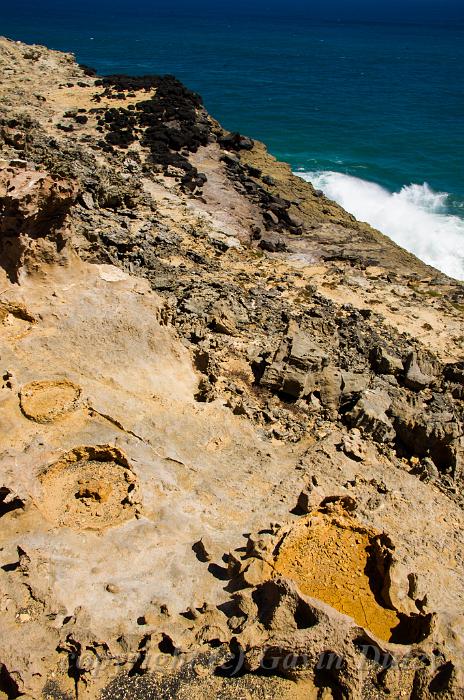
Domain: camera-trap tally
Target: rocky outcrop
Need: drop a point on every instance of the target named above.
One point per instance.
(231, 456)
(33, 211)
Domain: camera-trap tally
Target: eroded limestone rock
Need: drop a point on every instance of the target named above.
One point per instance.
(231, 349)
(33, 209)
(370, 415)
(47, 400)
(89, 488)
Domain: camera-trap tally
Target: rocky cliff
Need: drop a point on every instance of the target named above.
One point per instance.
(232, 448)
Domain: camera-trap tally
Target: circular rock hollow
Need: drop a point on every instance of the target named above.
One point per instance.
(45, 401)
(90, 488)
(337, 561)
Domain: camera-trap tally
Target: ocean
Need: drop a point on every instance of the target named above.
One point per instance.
(370, 113)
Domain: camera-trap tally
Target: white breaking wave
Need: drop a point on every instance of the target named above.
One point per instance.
(415, 218)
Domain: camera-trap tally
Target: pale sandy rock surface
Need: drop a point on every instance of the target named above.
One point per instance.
(231, 445)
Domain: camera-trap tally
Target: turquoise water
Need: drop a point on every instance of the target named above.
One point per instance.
(344, 104)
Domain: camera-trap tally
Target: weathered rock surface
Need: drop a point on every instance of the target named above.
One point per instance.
(231, 445)
(33, 208)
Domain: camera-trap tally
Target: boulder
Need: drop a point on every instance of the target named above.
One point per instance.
(272, 243)
(306, 353)
(353, 382)
(87, 201)
(223, 242)
(426, 430)
(370, 415)
(384, 362)
(353, 445)
(301, 366)
(271, 217)
(414, 377)
(236, 142)
(222, 318)
(268, 180)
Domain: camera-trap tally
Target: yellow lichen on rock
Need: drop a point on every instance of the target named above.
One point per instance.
(332, 560)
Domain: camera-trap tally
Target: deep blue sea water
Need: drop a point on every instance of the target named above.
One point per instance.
(369, 112)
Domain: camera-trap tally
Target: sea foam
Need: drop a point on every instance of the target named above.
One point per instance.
(416, 217)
